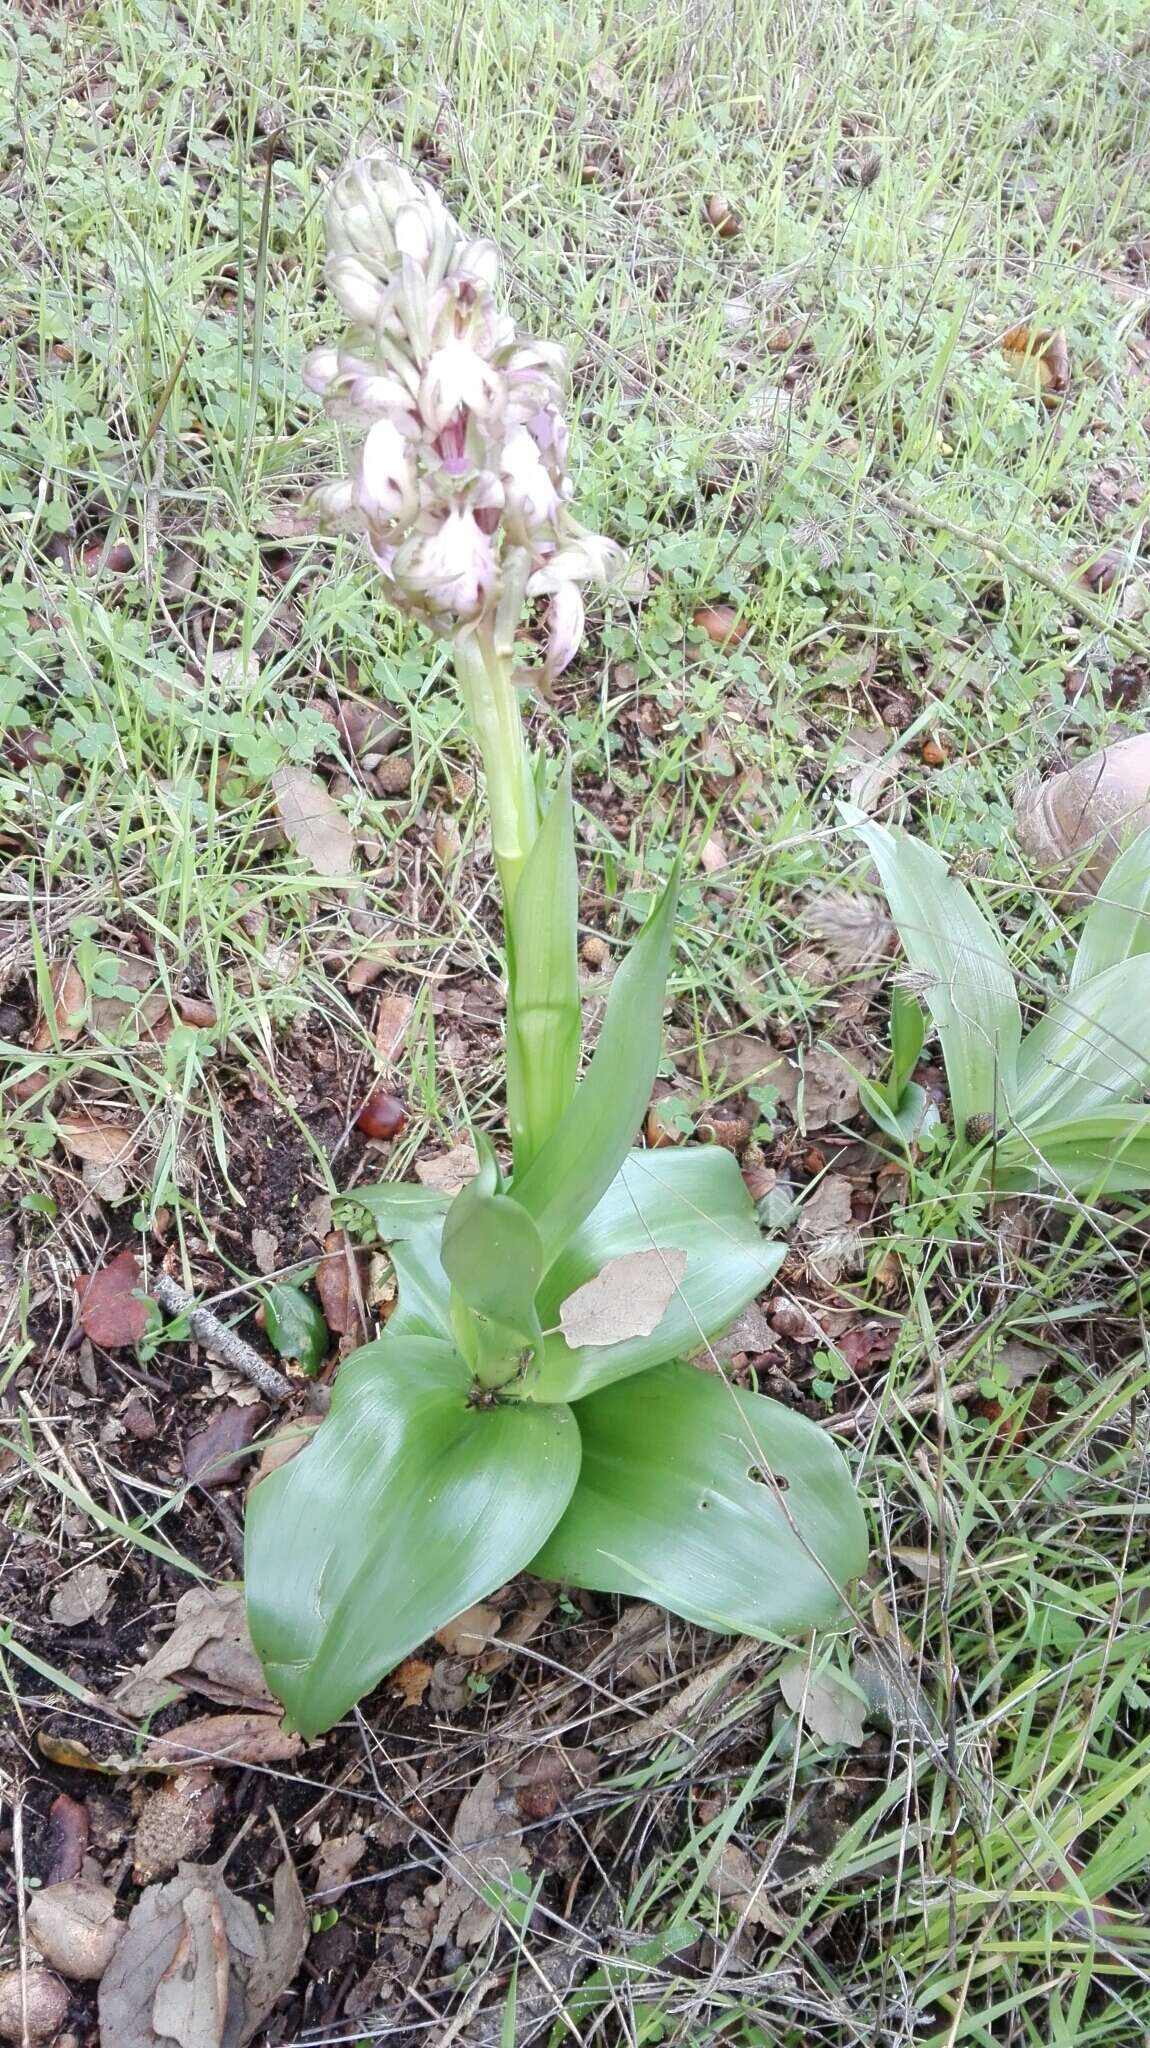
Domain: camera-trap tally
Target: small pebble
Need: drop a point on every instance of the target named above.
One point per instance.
(43, 1998)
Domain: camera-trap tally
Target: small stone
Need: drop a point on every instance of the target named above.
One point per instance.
(33, 2007)
(394, 775)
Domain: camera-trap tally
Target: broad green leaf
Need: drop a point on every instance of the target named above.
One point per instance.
(407, 1505)
(727, 1508)
(492, 1254)
(296, 1326)
(1092, 1049)
(397, 1208)
(1106, 1152)
(692, 1200)
(970, 990)
(907, 1032)
(913, 1114)
(543, 1009)
(584, 1153)
(1117, 925)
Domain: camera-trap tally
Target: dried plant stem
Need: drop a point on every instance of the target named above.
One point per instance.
(208, 1330)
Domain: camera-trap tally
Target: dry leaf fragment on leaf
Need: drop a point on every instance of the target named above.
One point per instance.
(75, 1928)
(313, 822)
(111, 1310)
(252, 1738)
(1039, 358)
(487, 1851)
(80, 1597)
(831, 1709)
(209, 1651)
(627, 1298)
(197, 1967)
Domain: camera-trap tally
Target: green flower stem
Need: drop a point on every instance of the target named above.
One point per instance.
(492, 703)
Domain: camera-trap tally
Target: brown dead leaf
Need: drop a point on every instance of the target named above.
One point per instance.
(410, 1680)
(209, 1651)
(338, 1286)
(111, 1310)
(128, 1017)
(93, 1139)
(313, 822)
(214, 1456)
(448, 1171)
(734, 1879)
(69, 1008)
(627, 1298)
(66, 1842)
(1039, 358)
(470, 1632)
(713, 856)
(80, 1597)
(336, 1863)
(250, 1738)
(487, 1851)
(175, 1824)
(265, 1250)
(828, 1093)
(830, 1708)
(391, 1021)
(197, 1967)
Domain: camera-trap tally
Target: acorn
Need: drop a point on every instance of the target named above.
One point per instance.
(721, 216)
(721, 624)
(382, 1115)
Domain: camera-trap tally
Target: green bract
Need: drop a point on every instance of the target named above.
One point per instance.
(1050, 1110)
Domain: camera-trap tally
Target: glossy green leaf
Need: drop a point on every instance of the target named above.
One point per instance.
(969, 988)
(723, 1506)
(1092, 1049)
(582, 1156)
(543, 1009)
(397, 1208)
(407, 1505)
(1117, 925)
(692, 1200)
(1106, 1152)
(492, 1254)
(913, 1113)
(295, 1325)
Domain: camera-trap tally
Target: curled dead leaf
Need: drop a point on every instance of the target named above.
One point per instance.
(247, 1738)
(92, 1138)
(209, 1651)
(1039, 358)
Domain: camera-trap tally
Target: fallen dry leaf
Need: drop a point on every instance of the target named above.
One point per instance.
(209, 1651)
(713, 856)
(448, 1171)
(336, 1863)
(75, 1928)
(470, 1632)
(1080, 819)
(197, 1966)
(734, 1879)
(830, 1708)
(627, 1298)
(487, 1851)
(213, 1456)
(313, 822)
(80, 1597)
(551, 1776)
(391, 1021)
(338, 1286)
(175, 1824)
(111, 1310)
(250, 1738)
(66, 1843)
(1039, 358)
(69, 1007)
(128, 1017)
(828, 1091)
(265, 1250)
(92, 1139)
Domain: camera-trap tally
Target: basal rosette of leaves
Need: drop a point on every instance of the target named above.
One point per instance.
(528, 1405)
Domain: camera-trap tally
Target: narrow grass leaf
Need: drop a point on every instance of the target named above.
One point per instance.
(1117, 926)
(1091, 1050)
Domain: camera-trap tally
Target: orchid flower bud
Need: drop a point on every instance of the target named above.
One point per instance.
(565, 616)
(321, 369)
(359, 293)
(334, 507)
(588, 558)
(532, 499)
(387, 492)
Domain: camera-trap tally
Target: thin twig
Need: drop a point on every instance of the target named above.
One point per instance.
(208, 1330)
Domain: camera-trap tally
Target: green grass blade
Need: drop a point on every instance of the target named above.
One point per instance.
(969, 987)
